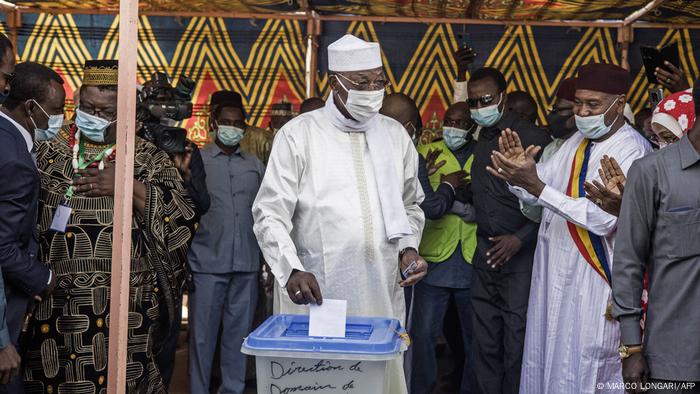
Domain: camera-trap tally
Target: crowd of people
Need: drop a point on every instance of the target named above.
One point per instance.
(557, 258)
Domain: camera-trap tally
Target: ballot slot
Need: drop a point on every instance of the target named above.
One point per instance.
(357, 332)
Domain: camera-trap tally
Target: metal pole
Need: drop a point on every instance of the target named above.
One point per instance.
(313, 31)
(123, 196)
(633, 17)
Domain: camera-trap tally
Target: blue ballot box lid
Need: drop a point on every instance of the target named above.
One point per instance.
(290, 333)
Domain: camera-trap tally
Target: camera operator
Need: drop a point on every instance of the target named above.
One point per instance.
(160, 108)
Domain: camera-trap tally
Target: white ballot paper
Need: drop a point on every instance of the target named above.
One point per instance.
(328, 320)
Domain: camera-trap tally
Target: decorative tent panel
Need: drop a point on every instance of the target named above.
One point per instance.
(265, 59)
(672, 11)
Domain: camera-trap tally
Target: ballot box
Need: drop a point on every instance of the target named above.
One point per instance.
(289, 361)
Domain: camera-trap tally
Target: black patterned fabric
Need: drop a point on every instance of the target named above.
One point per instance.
(69, 334)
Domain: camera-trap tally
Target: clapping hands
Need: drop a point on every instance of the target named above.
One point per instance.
(515, 164)
(608, 194)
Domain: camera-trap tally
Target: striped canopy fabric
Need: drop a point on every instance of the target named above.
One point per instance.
(672, 11)
(265, 59)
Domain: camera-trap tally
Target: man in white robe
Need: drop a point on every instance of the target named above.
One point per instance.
(337, 215)
(571, 340)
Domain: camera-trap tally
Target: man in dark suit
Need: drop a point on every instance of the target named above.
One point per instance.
(34, 106)
(506, 241)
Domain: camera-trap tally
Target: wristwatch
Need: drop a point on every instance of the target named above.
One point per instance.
(404, 251)
(627, 351)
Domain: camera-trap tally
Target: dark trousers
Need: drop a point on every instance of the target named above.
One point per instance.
(670, 387)
(430, 306)
(225, 301)
(166, 358)
(452, 328)
(500, 302)
(15, 310)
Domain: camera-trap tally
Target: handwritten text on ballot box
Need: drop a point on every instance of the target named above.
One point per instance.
(289, 361)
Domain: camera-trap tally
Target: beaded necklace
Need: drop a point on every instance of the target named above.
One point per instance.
(78, 149)
(79, 163)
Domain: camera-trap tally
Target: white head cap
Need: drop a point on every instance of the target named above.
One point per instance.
(353, 54)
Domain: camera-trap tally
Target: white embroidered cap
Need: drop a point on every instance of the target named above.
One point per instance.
(350, 53)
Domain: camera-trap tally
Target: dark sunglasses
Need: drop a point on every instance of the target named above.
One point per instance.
(485, 100)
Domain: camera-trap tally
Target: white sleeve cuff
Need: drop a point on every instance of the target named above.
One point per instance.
(522, 195)
(283, 271)
(409, 241)
(552, 198)
(460, 93)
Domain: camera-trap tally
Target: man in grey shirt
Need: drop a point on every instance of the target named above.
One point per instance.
(659, 232)
(224, 258)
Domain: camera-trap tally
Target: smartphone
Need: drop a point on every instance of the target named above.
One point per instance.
(653, 58)
(655, 96)
(410, 269)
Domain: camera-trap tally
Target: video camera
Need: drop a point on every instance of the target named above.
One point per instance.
(160, 106)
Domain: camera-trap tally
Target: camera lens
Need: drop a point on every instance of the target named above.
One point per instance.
(185, 87)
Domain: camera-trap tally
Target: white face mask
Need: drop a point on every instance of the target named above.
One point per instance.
(362, 105)
(54, 125)
(92, 127)
(488, 116)
(229, 135)
(593, 127)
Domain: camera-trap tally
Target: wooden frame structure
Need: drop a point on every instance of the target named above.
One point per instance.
(128, 33)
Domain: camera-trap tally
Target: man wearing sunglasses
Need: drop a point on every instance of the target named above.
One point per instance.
(502, 265)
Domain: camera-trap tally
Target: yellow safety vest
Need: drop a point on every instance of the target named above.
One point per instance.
(441, 237)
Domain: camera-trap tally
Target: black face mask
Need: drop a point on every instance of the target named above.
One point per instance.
(557, 125)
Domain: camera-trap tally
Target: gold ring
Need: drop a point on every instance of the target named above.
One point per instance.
(668, 80)
(599, 202)
(500, 170)
(297, 293)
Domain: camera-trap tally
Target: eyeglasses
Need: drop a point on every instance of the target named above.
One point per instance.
(106, 115)
(485, 100)
(659, 140)
(366, 86)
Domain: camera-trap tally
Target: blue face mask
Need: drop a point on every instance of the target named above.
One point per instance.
(488, 116)
(91, 126)
(593, 127)
(455, 138)
(54, 126)
(229, 135)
